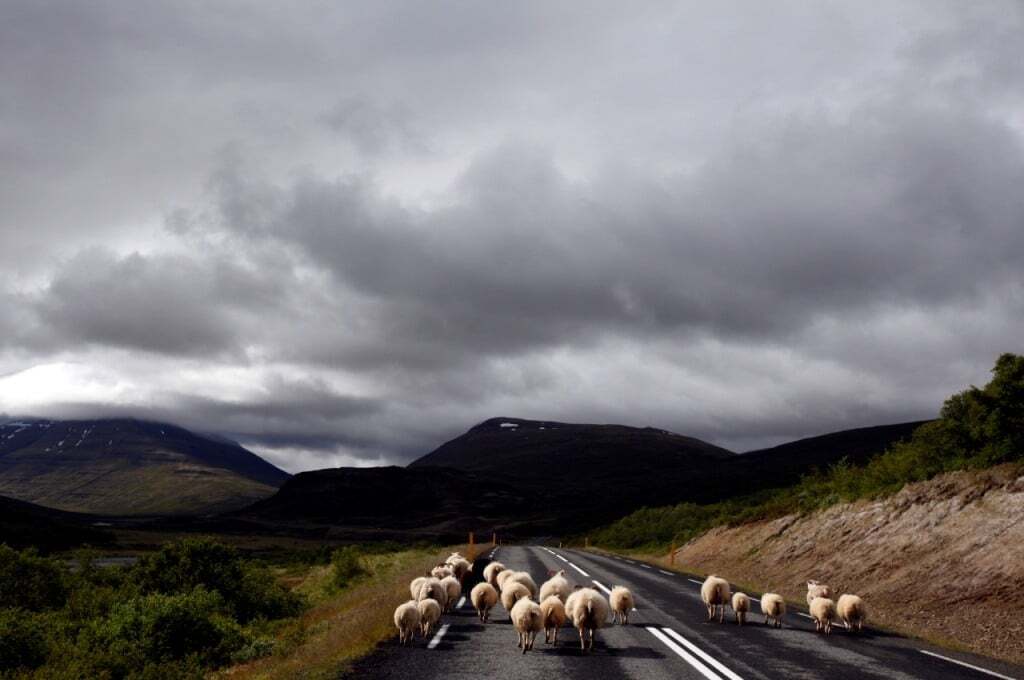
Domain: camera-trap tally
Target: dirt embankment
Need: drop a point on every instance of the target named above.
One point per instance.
(942, 559)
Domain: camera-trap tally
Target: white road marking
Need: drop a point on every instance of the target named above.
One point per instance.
(578, 569)
(691, 580)
(596, 583)
(645, 566)
(702, 654)
(462, 601)
(687, 657)
(806, 616)
(437, 636)
(966, 665)
(667, 573)
(562, 558)
(628, 561)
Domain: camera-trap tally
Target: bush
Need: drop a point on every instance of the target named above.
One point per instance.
(23, 642)
(31, 582)
(346, 566)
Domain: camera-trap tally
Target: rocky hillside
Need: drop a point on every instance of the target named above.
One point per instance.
(942, 559)
(129, 467)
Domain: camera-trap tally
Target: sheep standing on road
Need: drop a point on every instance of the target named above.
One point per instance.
(460, 566)
(740, 605)
(552, 612)
(440, 571)
(557, 585)
(588, 611)
(491, 572)
(528, 620)
(715, 593)
(501, 577)
(621, 601)
(453, 590)
(512, 593)
(773, 607)
(815, 589)
(525, 579)
(434, 590)
(414, 586)
(407, 620)
(430, 613)
(484, 597)
(852, 611)
(823, 611)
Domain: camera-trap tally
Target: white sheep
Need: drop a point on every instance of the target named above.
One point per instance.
(414, 586)
(525, 579)
(815, 589)
(823, 611)
(557, 585)
(460, 566)
(430, 613)
(440, 571)
(433, 589)
(588, 611)
(740, 606)
(852, 610)
(512, 593)
(484, 597)
(501, 577)
(774, 608)
(552, 611)
(407, 620)
(715, 593)
(453, 590)
(528, 620)
(621, 601)
(491, 572)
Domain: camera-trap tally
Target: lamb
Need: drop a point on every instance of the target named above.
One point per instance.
(434, 590)
(621, 601)
(823, 611)
(452, 591)
(740, 605)
(557, 585)
(528, 620)
(715, 593)
(407, 620)
(589, 611)
(414, 586)
(501, 577)
(491, 572)
(852, 611)
(815, 589)
(553, 615)
(430, 613)
(484, 597)
(525, 579)
(773, 607)
(512, 593)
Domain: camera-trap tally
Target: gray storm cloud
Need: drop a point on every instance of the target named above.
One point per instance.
(345, 250)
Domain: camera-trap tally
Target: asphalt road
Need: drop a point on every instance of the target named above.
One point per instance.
(667, 637)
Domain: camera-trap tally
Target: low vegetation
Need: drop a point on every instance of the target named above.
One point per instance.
(977, 428)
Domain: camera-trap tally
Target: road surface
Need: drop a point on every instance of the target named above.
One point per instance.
(667, 637)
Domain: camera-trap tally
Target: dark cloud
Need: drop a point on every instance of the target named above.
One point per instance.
(346, 234)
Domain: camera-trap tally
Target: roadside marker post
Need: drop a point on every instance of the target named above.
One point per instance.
(472, 548)
(672, 555)
(494, 539)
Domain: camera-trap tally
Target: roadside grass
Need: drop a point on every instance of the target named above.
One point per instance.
(342, 623)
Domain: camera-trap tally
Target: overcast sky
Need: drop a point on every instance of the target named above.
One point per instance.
(343, 233)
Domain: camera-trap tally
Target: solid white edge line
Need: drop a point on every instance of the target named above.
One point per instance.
(578, 569)
(686, 656)
(599, 585)
(437, 636)
(702, 654)
(462, 601)
(967, 665)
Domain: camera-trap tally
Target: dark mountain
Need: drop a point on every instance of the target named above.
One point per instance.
(526, 478)
(129, 467)
(24, 525)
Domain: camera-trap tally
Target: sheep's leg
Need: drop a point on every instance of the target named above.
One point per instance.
(711, 611)
(583, 644)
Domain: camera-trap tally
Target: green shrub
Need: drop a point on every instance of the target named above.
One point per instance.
(23, 640)
(31, 582)
(346, 566)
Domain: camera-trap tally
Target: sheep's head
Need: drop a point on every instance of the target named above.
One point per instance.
(812, 584)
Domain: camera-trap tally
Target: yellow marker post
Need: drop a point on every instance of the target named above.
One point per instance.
(672, 554)
(472, 549)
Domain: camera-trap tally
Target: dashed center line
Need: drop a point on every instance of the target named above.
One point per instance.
(578, 569)
(806, 616)
(602, 587)
(691, 580)
(645, 566)
(966, 665)
(666, 573)
(436, 640)
(462, 601)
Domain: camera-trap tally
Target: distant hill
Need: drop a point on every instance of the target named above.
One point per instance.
(24, 525)
(129, 467)
(542, 477)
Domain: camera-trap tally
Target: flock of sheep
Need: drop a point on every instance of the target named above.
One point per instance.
(531, 609)
(850, 609)
(548, 608)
